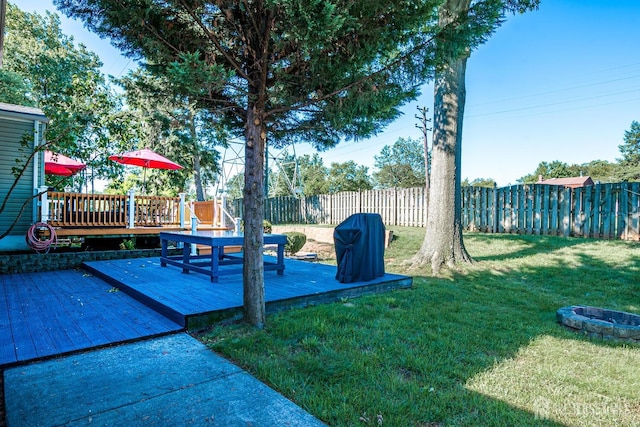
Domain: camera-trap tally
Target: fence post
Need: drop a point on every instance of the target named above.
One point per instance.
(132, 208)
(194, 230)
(496, 221)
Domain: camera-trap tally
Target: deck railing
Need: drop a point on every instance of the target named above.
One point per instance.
(79, 210)
(87, 210)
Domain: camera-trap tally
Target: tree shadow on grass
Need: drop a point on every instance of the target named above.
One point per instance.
(517, 246)
(491, 316)
(422, 356)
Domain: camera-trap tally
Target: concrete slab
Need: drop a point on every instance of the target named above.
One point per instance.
(172, 380)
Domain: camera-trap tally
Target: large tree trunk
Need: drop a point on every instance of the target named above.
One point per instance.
(197, 176)
(443, 243)
(254, 152)
(253, 272)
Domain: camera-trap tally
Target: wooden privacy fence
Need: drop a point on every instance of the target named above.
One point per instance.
(608, 211)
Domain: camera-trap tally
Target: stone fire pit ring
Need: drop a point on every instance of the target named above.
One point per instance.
(600, 322)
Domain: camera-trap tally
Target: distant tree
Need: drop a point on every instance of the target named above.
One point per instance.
(601, 170)
(314, 175)
(630, 150)
(479, 182)
(348, 176)
(173, 124)
(547, 170)
(400, 165)
(234, 186)
(598, 170)
(122, 184)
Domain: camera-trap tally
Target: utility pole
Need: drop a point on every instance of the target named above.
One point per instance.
(422, 117)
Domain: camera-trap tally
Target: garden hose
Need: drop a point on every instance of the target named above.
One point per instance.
(38, 243)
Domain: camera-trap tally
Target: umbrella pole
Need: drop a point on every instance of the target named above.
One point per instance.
(144, 181)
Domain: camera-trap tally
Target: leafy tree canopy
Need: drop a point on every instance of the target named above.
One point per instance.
(314, 175)
(630, 148)
(400, 165)
(234, 186)
(14, 89)
(172, 124)
(329, 70)
(43, 67)
(598, 170)
(479, 182)
(348, 176)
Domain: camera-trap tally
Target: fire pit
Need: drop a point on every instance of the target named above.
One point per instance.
(601, 323)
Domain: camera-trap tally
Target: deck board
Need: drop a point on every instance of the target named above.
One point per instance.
(7, 349)
(184, 296)
(60, 312)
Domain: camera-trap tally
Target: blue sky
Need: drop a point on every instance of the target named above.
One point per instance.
(561, 83)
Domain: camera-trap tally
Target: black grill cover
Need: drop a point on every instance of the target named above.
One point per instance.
(359, 242)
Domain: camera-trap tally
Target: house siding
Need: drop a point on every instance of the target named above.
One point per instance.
(12, 130)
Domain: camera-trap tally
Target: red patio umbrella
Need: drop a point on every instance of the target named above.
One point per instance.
(147, 159)
(58, 164)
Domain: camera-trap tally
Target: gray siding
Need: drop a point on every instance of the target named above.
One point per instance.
(11, 133)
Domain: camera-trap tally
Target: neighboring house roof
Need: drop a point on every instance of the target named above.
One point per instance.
(22, 112)
(572, 182)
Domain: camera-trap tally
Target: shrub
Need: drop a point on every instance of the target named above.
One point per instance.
(266, 226)
(128, 245)
(295, 241)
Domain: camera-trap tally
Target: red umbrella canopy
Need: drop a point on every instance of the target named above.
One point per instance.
(145, 158)
(58, 164)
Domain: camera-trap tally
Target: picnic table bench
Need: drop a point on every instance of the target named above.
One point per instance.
(217, 240)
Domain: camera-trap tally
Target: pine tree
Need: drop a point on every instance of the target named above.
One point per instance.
(288, 70)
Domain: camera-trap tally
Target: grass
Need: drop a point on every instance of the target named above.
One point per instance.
(478, 346)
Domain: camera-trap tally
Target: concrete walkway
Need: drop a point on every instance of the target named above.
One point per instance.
(169, 381)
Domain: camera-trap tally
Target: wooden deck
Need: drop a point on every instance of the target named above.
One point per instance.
(193, 301)
(59, 312)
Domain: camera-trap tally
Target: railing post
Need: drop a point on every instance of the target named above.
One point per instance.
(132, 208)
(194, 230)
(44, 204)
(182, 210)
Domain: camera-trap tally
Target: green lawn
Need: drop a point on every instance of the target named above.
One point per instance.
(477, 347)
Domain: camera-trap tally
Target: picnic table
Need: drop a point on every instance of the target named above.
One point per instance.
(217, 240)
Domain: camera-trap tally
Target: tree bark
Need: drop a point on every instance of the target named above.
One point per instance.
(253, 272)
(443, 242)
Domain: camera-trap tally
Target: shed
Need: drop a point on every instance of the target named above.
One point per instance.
(17, 123)
(571, 182)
